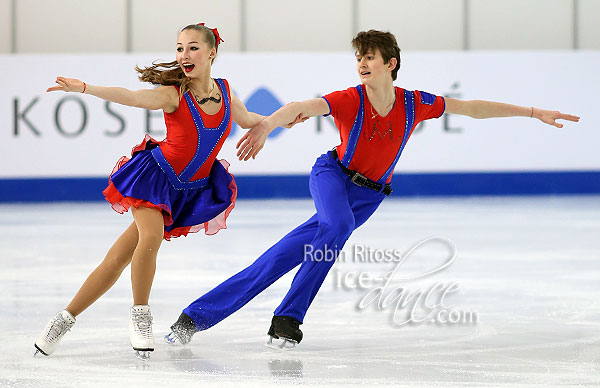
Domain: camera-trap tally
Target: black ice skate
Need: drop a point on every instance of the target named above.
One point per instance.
(181, 331)
(286, 333)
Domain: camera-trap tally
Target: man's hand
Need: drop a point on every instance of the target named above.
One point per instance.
(550, 116)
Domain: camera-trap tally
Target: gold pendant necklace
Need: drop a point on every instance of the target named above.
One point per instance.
(375, 114)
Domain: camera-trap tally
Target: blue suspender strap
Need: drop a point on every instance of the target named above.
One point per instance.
(207, 137)
(355, 131)
(409, 109)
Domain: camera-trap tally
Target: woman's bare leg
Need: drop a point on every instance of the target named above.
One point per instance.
(150, 225)
(107, 273)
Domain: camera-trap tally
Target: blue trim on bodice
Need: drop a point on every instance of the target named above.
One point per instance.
(174, 179)
(208, 138)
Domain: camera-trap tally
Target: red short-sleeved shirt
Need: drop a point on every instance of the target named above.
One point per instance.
(381, 138)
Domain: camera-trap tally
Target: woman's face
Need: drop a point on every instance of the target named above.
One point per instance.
(193, 53)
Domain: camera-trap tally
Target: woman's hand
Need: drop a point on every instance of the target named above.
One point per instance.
(68, 85)
(253, 141)
(550, 116)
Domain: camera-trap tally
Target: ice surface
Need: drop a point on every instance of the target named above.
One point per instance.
(528, 267)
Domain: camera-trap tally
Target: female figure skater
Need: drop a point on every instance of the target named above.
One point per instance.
(375, 120)
(174, 187)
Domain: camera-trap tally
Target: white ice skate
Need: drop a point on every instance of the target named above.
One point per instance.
(58, 326)
(140, 331)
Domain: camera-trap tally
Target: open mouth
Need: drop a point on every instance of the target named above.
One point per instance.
(365, 72)
(188, 67)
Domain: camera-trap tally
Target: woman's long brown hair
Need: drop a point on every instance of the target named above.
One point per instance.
(170, 73)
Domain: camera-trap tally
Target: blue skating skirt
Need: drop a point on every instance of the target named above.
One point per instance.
(140, 181)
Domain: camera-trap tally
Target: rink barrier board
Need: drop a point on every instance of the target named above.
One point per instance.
(296, 186)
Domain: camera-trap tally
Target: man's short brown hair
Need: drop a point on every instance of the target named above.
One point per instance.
(385, 42)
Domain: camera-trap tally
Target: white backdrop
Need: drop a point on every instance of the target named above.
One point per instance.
(48, 134)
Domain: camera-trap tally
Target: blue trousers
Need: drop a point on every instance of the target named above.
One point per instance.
(341, 207)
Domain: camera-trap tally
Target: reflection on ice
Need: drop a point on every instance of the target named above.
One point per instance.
(286, 368)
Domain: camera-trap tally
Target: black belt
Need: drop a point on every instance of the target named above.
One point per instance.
(359, 179)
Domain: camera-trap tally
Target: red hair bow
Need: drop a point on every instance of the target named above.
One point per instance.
(216, 33)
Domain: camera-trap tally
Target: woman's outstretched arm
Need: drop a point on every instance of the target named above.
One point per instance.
(164, 97)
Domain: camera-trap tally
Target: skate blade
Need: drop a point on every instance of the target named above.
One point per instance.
(38, 351)
(171, 339)
(281, 343)
(143, 355)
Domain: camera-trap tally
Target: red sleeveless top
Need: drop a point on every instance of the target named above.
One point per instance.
(182, 141)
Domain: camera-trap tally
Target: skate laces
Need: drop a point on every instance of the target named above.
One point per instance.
(142, 323)
(58, 327)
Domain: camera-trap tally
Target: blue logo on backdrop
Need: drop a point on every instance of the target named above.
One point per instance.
(262, 101)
